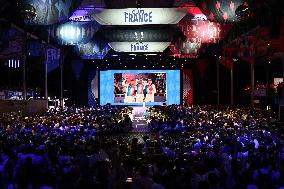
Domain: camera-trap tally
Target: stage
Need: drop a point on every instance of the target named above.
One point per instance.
(139, 122)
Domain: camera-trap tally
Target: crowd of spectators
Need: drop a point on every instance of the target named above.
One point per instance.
(190, 147)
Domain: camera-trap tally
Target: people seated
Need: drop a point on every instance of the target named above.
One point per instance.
(189, 147)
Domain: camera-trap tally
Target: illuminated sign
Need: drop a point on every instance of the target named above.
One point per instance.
(138, 16)
(139, 47)
(132, 16)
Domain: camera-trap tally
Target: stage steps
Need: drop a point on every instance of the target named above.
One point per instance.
(139, 122)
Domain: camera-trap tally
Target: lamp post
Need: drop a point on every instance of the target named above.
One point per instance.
(283, 80)
(218, 80)
(232, 83)
(28, 13)
(252, 84)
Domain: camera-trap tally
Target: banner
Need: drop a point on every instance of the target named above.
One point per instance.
(139, 35)
(34, 48)
(93, 87)
(52, 59)
(14, 43)
(202, 65)
(187, 87)
(77, 67)
(139, 47)
(139, 16)
(227, 58)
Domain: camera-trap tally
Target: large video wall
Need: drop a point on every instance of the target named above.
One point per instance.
(135, 87)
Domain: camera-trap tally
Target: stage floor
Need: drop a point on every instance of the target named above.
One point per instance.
(139, 122)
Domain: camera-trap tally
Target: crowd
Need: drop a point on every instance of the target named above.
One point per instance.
(179, 118)
(190, 147)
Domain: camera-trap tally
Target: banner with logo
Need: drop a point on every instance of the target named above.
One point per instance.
(139, 47)
(34, 48)
(139, 16)
(52, 59)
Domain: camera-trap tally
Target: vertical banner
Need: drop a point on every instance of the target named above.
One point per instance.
(77, 67)
(202, 65)
(52, 59)
(93, 87)
(187, 94)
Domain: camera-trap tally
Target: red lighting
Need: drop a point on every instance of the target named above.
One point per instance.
(201, 31)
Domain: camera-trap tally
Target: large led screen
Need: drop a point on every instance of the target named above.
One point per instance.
(135, 87)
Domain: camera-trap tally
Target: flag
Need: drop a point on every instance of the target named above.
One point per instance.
(52, 59)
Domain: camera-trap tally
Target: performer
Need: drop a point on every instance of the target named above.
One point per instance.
(140, 93)
(150, 90)
(131, 90)
(116, 87)
(125, 85)
(130, 95)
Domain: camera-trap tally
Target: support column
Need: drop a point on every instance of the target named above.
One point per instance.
(25, 65)
(232, 84)
(267, 84)
(45, 79)
(61, 77)
(218, 80)
(24, 77)
(252, 84)
(283, 79)
(45, 70)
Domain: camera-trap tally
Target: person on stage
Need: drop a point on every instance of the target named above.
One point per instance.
(130, 95)
(140, 93)
(150, 89)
